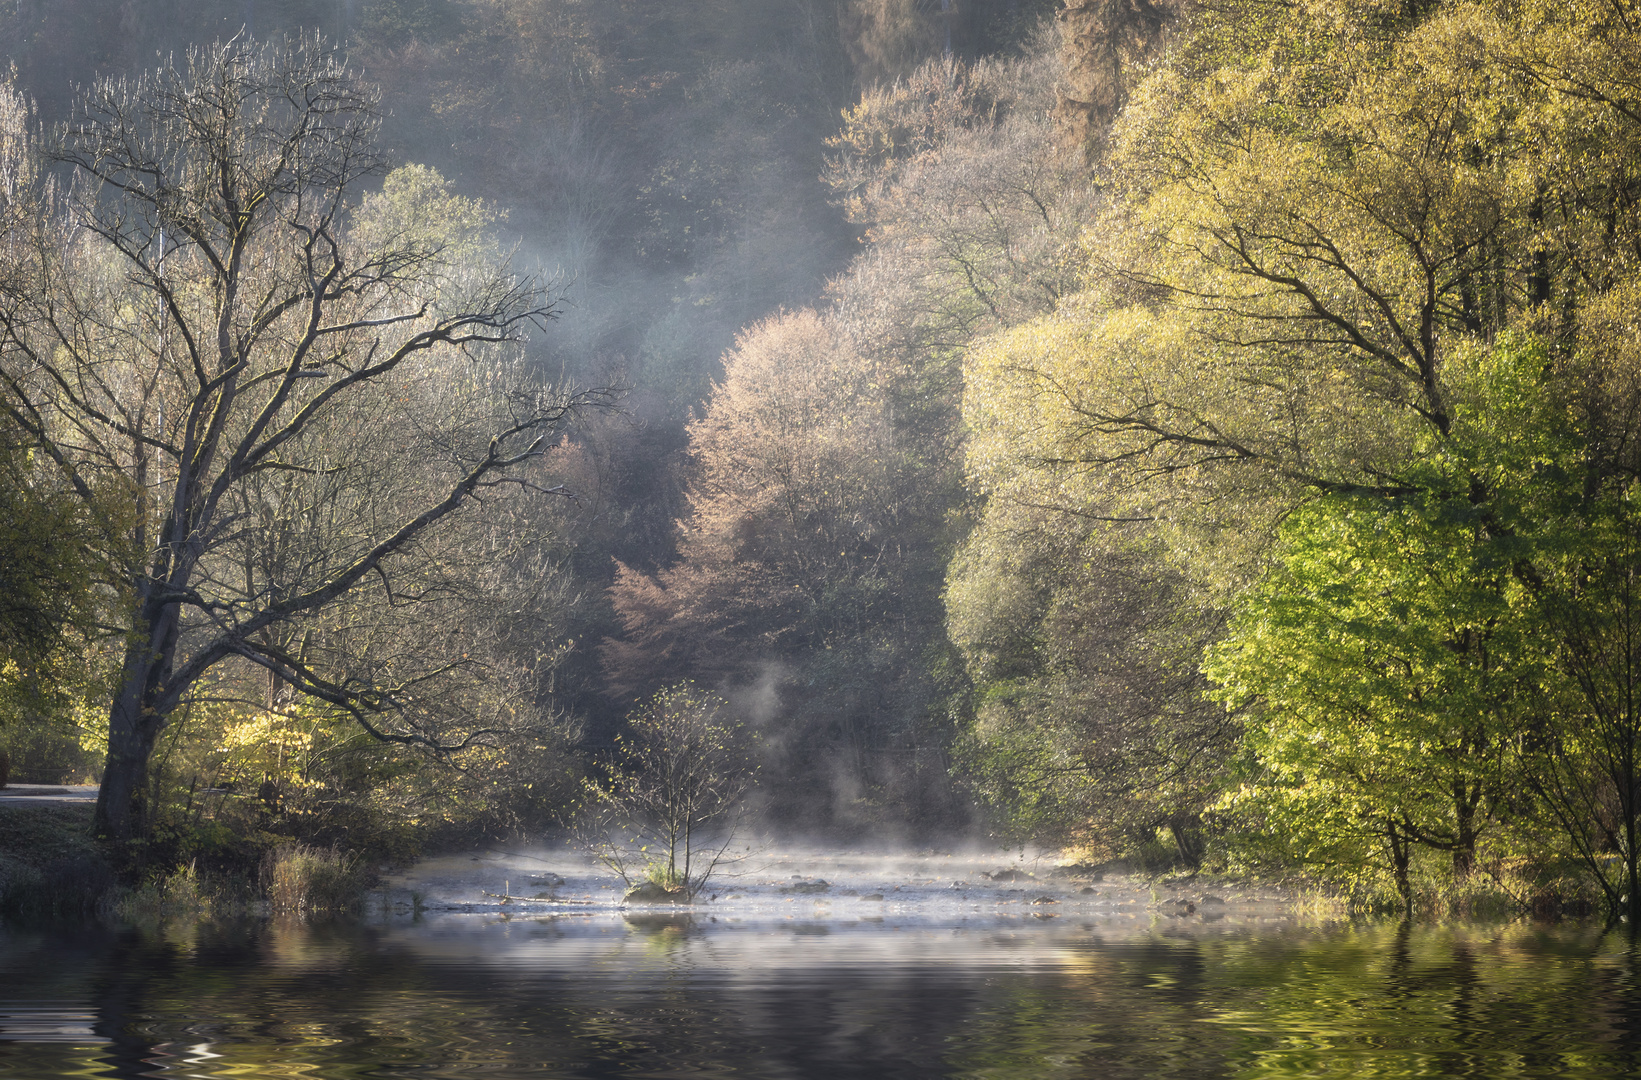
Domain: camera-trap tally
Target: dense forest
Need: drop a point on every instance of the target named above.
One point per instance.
(1199, 434)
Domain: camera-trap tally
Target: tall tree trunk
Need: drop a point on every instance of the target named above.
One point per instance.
(1464, 841)
(134, 724)
(1401, 850)
(123, 812)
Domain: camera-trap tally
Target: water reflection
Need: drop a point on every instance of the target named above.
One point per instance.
(674, 995)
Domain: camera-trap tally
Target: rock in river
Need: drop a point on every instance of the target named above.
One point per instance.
(805, 887)
(652, 893)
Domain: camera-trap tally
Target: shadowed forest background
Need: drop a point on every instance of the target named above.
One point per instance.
(1193, 434)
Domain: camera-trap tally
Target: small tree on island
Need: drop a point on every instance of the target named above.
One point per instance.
(665, 813)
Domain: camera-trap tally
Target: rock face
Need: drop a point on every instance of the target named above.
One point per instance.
(652, 893)
(1106, 45)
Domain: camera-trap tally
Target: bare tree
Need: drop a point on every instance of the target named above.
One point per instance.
(210, 355)
(665, 811)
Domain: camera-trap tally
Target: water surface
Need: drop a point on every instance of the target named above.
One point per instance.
(818, 994)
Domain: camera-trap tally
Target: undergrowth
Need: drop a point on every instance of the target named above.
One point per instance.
(51, 867)
(311, 880)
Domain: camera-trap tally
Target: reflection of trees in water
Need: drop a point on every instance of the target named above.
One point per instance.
(1400, 1001)
(1513, 999)
(546, 998)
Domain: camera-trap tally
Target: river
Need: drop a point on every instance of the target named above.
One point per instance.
(798, 983)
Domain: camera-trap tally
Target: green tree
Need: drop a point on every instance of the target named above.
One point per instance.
(1315, 205)
(1424, 671)
(1583, 748)
(1322, 216)
(1381, 683)
(1390, 659)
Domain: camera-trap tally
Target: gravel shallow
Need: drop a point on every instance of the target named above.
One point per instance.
(826, 886)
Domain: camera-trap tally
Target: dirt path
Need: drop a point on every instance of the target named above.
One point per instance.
(14, 794)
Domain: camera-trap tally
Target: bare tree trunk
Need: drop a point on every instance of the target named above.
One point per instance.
(134, 725)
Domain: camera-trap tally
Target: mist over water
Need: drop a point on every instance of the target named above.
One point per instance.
(665, 161)
(757, 881)
(819, 963)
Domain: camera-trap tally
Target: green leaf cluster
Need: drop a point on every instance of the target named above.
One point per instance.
(1353, 369)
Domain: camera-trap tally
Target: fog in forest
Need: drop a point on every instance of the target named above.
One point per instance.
(1182, 437)
(665, 164)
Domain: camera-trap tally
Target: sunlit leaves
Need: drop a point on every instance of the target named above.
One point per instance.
(1390, 661)
(1292, 368)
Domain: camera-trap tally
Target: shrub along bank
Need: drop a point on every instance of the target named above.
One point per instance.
(51, 867)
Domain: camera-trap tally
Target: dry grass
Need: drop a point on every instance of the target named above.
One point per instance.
(311, 880)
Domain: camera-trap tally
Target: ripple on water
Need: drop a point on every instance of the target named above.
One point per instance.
(680, 996)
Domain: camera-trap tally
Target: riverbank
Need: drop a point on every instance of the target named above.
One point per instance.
(50, 866)
(828, 884)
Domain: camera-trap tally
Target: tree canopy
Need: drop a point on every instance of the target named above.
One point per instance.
(280, 384)
(1345, 357)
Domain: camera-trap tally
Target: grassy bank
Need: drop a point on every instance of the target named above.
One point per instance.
(51, 867)
(1499, 889)
(49, 864)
